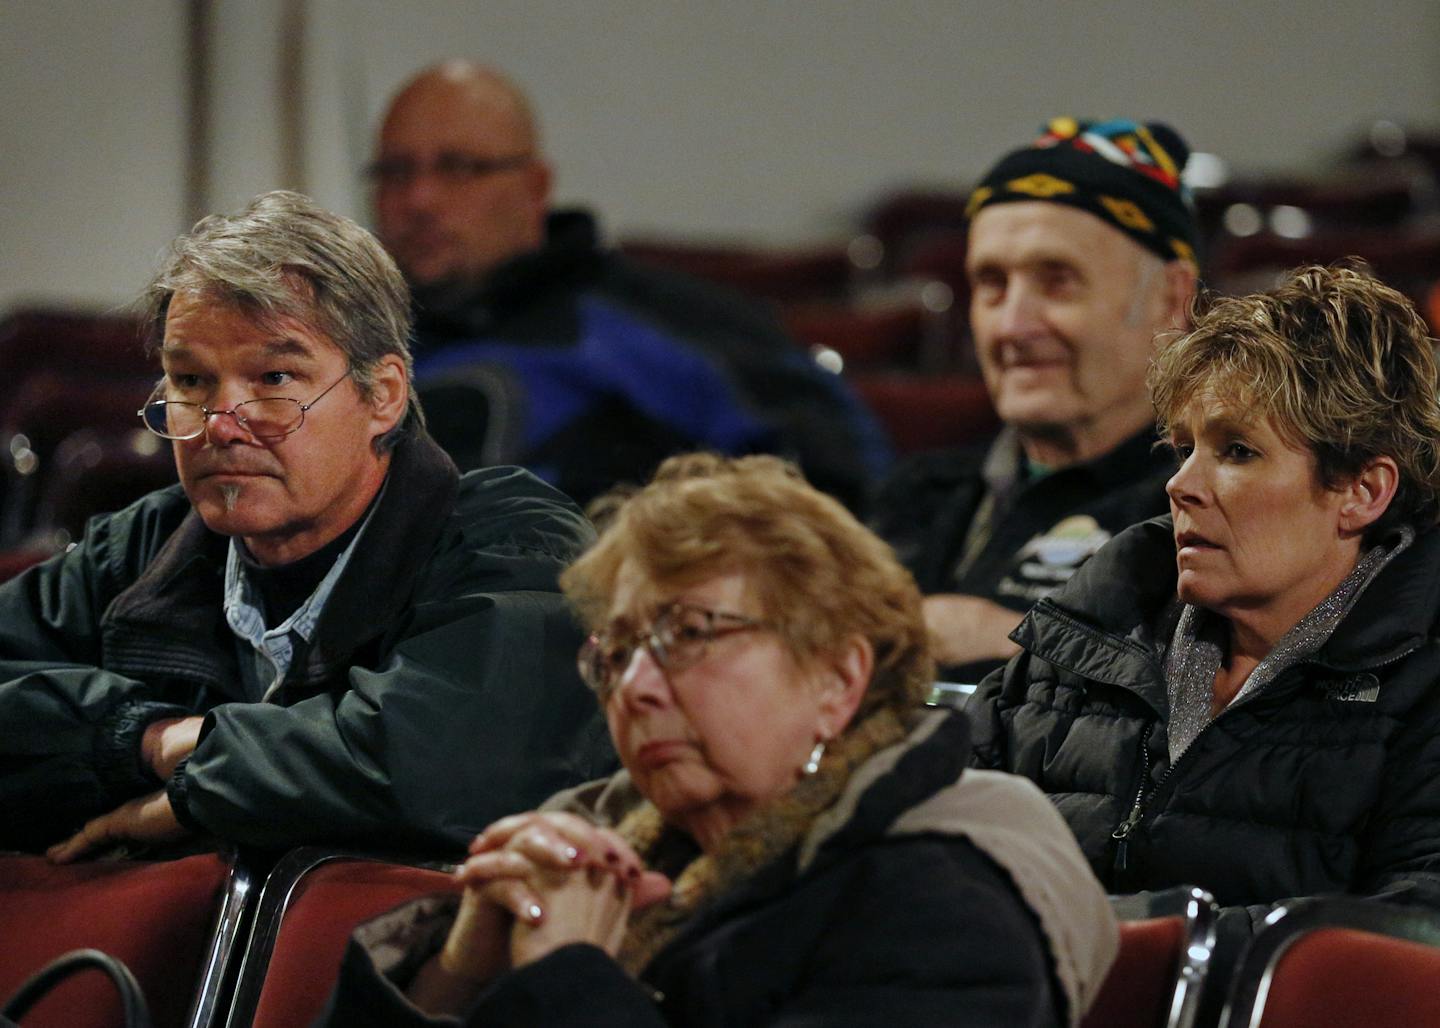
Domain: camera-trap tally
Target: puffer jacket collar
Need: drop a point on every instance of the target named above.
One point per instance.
(1100, 624)
(170, 621)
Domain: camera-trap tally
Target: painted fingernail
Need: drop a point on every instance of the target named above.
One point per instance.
(611, 857)
(533, 913)
(633, 874)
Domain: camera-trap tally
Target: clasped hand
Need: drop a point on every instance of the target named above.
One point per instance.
(534, 883)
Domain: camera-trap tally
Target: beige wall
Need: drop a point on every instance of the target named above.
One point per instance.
(766, 120)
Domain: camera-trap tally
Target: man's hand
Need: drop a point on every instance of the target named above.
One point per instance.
(167, 742)
(969, 628)
(146, 819)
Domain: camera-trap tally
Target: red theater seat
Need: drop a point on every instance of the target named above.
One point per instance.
(926, 412)
(1161, 967)
(157, 917)
(889, 335)
(1341, 961)
(310, 904)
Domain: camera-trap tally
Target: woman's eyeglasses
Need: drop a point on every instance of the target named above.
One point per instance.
(678, 638)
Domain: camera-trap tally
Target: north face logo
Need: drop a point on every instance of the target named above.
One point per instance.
(1364, 688)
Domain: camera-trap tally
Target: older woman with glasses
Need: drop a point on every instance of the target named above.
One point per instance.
(793, 839)
(1245, 695)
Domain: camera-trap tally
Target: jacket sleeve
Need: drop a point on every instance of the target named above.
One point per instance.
(477, 712)
(70, 731)
(985, 709)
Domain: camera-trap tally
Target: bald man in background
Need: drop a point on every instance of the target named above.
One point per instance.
(592, 369)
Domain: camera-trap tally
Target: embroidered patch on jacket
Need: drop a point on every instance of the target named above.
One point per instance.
(1051, 558)
(1362, 688)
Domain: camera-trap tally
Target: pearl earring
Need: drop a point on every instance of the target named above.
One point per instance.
(813, 764)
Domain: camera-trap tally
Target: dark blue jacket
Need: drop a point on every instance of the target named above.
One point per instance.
(596, 368)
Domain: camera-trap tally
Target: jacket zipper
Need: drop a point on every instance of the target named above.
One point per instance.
(1122, 831)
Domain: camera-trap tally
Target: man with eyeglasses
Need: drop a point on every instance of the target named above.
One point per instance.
(591, 368)
(324, 633)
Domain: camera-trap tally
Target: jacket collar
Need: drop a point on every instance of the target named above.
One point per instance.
(931, 757)
(1394, 614)
(570, 257)
(170, 621)
(1115, 469)
(1100, 624)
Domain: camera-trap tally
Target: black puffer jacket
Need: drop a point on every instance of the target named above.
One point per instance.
(1327, 780)
(1047, 527)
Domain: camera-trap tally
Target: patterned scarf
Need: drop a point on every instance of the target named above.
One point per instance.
(758, 840)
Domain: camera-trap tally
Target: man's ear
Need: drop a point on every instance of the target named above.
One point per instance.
(540, 178)
(1180, 286)
(1368, 495)
(846, 677)
(389, 393)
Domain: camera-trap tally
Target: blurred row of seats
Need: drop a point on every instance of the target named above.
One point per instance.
(895, 296)
(73, 447)
(70, 443)
(888, 309)
(239, 941)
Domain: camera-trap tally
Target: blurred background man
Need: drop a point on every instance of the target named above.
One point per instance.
(538, 345)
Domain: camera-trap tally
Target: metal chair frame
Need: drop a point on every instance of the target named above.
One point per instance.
(274, 901)
(1290, 922)
(229, 920)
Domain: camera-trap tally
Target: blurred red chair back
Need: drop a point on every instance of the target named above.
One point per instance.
(926, 412)
(310, 904)
(1137, 990)
(160, 918)
(783, 275)
(70, 342)
(1342, 961)
(1162, 965)
(888, 335)
(93, 472)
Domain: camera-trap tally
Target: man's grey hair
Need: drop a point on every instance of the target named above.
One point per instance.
(284, 256)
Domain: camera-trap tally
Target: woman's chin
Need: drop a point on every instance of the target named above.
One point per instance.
(1197, 589)
(680, 791)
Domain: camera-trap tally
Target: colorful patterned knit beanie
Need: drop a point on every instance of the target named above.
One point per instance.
(1125, 173)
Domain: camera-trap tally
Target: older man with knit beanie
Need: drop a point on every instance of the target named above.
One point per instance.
(1082, 249)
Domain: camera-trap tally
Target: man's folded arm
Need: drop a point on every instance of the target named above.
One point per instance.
(466, 721)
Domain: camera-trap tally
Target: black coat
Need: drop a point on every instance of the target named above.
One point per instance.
(1326, 780)
(925, 509)
(445, 644)
(903, 923)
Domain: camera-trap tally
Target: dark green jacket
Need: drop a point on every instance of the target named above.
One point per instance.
(439, 693)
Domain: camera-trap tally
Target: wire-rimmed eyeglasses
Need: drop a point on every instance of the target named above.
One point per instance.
(678, 638)
(267, 418)
(450, 168)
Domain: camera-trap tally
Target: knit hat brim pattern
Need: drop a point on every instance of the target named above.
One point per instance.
(1125, 173)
